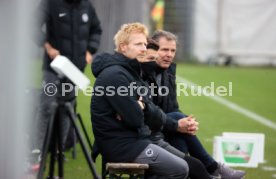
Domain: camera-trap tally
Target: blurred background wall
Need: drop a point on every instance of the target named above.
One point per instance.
(235, 31)
(240, 32)
(179, 19)
(114, 13)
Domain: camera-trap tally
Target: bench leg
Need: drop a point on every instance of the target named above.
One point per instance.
(114, 176)
(138, 176)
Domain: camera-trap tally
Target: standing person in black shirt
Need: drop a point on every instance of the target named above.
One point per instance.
(70, 28)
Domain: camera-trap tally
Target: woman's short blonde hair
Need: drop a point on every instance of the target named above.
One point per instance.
(122, 36)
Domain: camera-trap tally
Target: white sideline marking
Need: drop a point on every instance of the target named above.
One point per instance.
(269, 168)
(233, 106)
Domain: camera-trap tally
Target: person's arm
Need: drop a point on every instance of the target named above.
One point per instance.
(95, 32)
(126, 106)
(155, 118)
(89, 57)
(187, 125)
(172, 86)
(171, 125)
(51, 51)
(153, 115)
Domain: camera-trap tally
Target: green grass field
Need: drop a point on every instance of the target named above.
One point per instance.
(253, 89)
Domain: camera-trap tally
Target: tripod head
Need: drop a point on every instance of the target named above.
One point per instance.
(63, 93)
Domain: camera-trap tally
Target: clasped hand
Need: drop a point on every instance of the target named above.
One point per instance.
(188, 125)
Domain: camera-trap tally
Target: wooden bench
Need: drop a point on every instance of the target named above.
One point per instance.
(121, 170)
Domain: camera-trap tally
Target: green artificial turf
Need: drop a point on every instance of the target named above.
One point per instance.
(253, 89)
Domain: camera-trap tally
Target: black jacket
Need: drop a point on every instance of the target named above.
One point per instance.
(169, 102)
(72, 28)
(118, 140)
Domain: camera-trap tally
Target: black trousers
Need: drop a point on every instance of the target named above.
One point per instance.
(46, 111)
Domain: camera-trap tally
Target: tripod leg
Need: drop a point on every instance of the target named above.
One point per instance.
(74, 153)
(84, 131)
(60, 145)
(47, 141)
(53, 153)
(84, 149)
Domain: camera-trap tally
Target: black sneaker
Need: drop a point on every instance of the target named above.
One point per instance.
(226, 172)
(216, 176)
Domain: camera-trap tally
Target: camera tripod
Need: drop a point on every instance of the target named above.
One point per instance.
(54, 137)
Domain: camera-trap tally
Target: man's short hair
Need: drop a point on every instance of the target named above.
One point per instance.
(162, 33)
(122, 36)
(152, 44)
